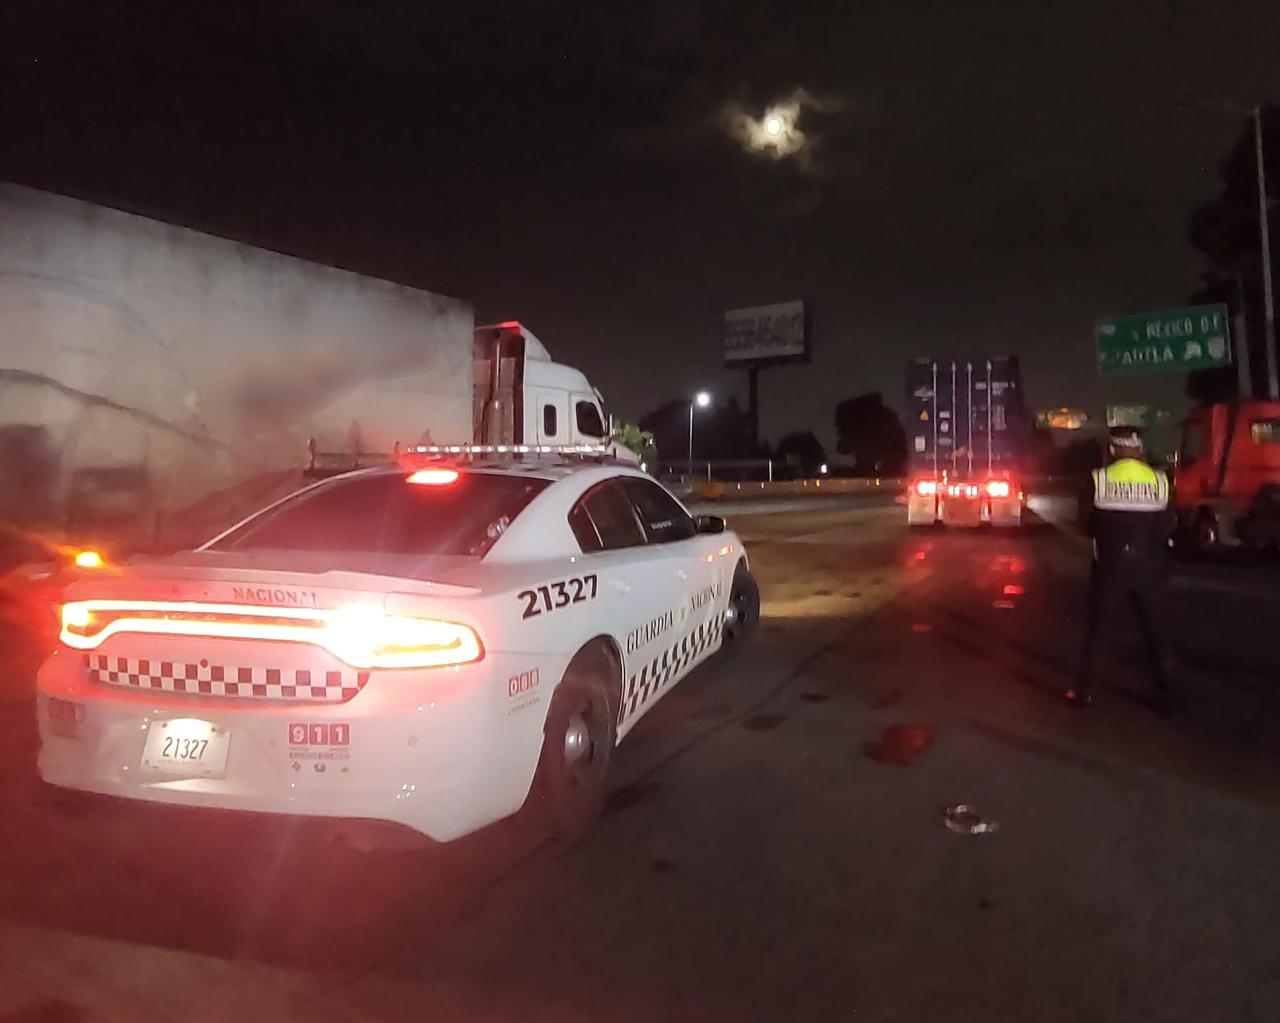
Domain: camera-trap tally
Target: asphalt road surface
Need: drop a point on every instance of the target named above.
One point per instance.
(774, 844)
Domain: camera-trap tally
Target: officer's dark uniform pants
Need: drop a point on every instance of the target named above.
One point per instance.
(1114, 589)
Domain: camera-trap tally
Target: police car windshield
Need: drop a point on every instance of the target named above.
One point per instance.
(387, 514)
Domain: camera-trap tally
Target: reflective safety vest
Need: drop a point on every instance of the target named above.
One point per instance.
(1130, 485)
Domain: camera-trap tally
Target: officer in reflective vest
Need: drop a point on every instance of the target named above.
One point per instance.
(1130, 523)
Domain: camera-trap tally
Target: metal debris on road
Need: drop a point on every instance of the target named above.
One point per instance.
(965, 820)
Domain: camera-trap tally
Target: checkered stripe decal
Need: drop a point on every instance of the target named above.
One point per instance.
(670, 665)
(218, 680)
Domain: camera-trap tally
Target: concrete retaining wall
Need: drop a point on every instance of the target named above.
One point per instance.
(712, 490)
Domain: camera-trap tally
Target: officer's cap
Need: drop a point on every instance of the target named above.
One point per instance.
(1126, 438)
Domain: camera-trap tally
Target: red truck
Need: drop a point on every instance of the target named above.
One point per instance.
(1227, 482)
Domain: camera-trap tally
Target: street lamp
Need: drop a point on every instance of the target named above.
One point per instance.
(700, 400)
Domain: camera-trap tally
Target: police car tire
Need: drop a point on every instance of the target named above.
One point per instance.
(568, 792)
(744, 597)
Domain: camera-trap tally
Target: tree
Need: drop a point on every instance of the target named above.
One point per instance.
(1225, 231)
(1041, 451)
(803, 450)
(871, 431)
(1080, 457)
(722, 431)
(629, 435)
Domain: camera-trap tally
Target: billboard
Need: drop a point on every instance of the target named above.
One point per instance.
(765, 333)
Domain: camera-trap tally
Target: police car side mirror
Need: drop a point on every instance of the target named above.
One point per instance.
(709, 524)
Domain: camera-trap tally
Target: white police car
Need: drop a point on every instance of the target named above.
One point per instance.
(425, 645)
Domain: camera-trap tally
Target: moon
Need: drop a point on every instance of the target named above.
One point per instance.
(775, 131)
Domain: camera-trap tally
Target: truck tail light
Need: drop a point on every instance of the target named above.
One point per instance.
(362, 635)
(926, 488)
(999, 488)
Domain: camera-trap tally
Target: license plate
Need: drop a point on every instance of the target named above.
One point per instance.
(186, 746)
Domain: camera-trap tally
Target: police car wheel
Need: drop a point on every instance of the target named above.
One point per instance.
(743, 610)
(578, 739)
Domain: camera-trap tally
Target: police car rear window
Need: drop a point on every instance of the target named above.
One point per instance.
(605, 520)
(663, 519)
(386, 514)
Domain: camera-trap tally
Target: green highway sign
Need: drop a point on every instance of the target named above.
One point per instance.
(1164, 341)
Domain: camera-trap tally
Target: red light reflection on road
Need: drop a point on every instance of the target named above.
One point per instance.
(900, 744)
(921, 627)
(1008, 564)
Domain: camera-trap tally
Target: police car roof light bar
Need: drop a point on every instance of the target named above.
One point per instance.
(504, 449)
(426, 453)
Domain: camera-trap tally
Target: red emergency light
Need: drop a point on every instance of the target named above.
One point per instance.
(998, 488)
(434, 477)
(926, 488)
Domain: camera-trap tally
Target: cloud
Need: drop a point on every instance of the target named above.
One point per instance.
(776, 132)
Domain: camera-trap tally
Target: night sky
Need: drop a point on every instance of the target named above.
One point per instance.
(977, 177)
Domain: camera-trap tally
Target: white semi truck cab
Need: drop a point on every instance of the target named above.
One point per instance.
(521, 396)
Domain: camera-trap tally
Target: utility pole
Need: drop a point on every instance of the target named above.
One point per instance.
(690, 462)
(700, 400)
(1269, 309)
(1240, 336)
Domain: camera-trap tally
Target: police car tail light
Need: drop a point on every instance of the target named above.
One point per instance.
(360, 634)
(86, 624)
(77, 619)
(366, 638)
(998, 488)
(926, 488)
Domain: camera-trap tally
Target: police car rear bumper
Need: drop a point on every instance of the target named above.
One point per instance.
(443, 751)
